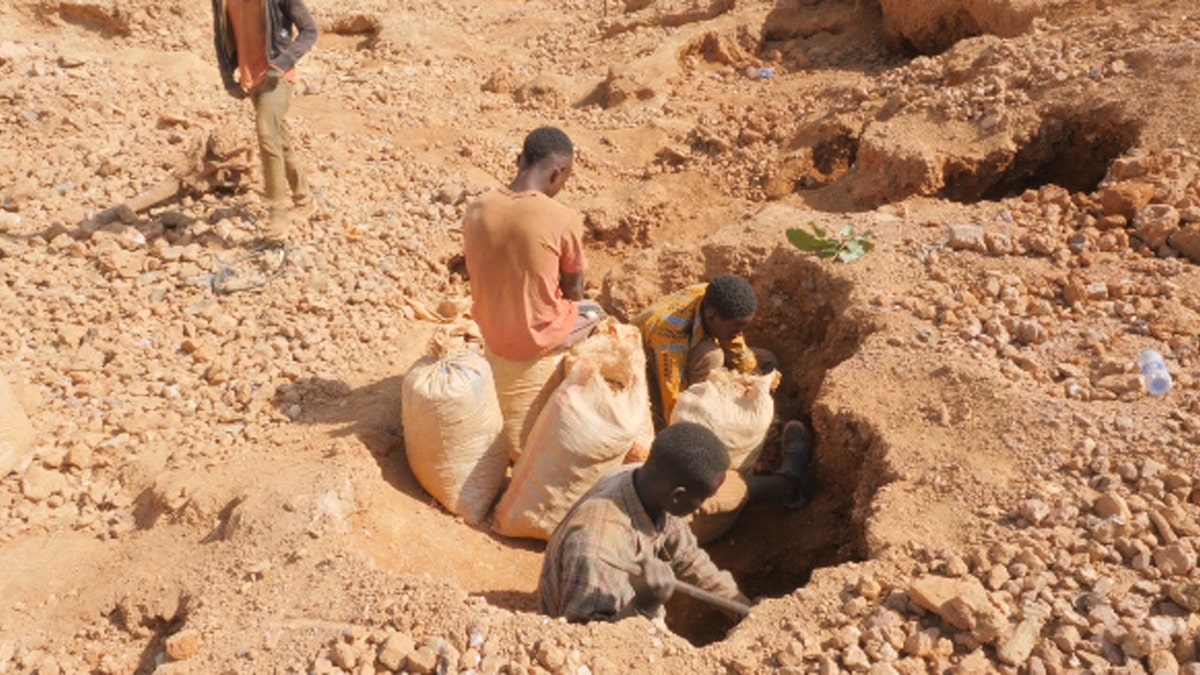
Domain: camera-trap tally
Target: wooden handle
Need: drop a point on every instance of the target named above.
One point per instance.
(690, 589)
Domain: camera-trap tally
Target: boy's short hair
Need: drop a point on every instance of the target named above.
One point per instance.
(545, 142)
(731, 297)
(690, 453)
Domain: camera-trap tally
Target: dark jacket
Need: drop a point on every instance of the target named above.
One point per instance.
(284, 17)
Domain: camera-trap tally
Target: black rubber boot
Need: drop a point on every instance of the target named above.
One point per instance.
(797, 444)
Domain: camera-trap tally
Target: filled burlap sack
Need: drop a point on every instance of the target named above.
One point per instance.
(452, 431)
(589, 424)
(737, 407)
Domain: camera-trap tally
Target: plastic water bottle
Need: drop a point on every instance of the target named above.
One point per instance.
(760, 73)
(1155, 377)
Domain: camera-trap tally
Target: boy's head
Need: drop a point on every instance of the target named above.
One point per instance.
(728, 306)
(549, 151)
(687, 465)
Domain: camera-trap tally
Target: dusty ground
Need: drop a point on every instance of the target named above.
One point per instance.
(219, 483)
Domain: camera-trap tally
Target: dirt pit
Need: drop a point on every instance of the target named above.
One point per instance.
(771, 551)
(1071, 148)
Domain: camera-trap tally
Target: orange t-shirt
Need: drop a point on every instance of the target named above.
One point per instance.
(517, 246)
(248, 18)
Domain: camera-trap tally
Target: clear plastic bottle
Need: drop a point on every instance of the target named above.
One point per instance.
(1155, 377)
(755, 73)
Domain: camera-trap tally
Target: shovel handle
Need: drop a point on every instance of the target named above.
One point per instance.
(692, 590)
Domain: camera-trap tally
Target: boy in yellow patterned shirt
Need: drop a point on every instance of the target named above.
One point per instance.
(688, 335)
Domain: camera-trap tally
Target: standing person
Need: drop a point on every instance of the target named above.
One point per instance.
(525, 259)
(635, 518)
(258, 43)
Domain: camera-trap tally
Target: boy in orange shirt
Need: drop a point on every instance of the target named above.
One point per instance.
(260, 41)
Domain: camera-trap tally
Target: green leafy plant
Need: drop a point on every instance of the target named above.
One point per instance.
(846, 246)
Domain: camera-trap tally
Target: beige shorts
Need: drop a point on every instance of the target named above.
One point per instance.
(717, 515)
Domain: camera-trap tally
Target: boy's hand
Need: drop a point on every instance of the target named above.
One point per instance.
(653, 586)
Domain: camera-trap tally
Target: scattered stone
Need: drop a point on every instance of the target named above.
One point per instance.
(956, 566)
(966, 237)
(1139, 642)
(1015, 648)
(1181, 522)
(1126, 199)
(88, 359)
(1186, 594)
(544, 89)
(1030, 332)
(1155, 224)
(621, 85)
(921, 643)
(975, 663)
(343, 655)
(39, 483)
(1175, 560)
(423, 660)
(1162, 661)
(854, 658)
(963, 603)
(183, 645)
(551, 656)
(1186, 240)
(1034, 510)
(1165, 532)
(742, 664)
(1109, 505)
(503, 80)
(395, 650)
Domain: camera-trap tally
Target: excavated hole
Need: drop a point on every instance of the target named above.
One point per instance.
(807, 320)
(830, 152)
(773, 550)
(1072, 149)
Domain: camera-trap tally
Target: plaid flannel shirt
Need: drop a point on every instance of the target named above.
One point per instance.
(609, 522)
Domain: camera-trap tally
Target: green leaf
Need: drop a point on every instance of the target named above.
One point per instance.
(845, 246)
(804, 241)
(852, 251)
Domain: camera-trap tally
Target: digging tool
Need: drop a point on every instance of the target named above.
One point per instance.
(694, 591)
